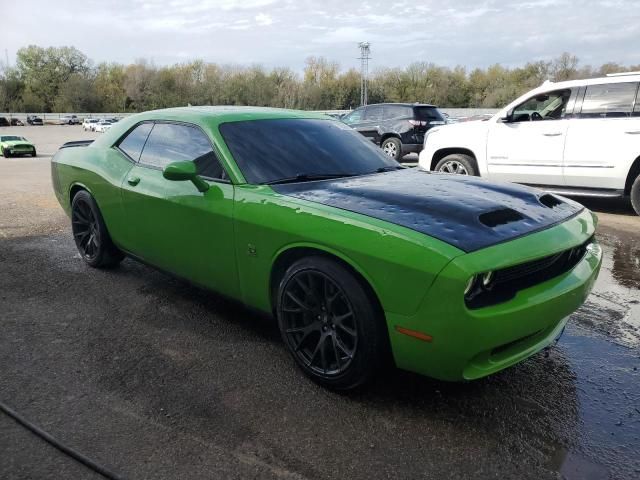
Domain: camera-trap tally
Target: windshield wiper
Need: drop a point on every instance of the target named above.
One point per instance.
(308, 177)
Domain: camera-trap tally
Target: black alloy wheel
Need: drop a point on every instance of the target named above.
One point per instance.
(330, 324)
(90, 233)
(320, 323)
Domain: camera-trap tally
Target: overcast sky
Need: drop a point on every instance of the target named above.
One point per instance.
(285, 32)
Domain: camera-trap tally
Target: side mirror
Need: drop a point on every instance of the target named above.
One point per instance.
(507, 117)
(180, 171)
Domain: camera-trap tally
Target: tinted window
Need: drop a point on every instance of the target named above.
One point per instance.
(170, 143)
(268, 150)
(428, 113)
(608, 100)
(374, 112)
(544, 106)
(397, 111)
(132, 144)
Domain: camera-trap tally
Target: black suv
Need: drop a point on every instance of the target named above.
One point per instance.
(398, 128)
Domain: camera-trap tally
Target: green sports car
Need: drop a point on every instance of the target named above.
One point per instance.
(14, 145)
(361, 260)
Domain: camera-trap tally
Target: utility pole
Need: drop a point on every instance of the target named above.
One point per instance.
(365, 53)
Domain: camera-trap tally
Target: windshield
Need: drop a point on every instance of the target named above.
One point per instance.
(270, 150)
(10, 138)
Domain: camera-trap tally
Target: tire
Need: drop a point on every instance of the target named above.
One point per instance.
(635, 195)
(330, 324)
(6, 153)
(90, 233)
(457, 163)
(34, 154)
(392, 147)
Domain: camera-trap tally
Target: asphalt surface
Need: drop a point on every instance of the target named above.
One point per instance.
(155, 378)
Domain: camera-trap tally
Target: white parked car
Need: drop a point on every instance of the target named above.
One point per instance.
(89, 123)
(580, 137)
(102, 126)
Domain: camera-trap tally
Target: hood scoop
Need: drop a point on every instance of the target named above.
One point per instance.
(500, 217)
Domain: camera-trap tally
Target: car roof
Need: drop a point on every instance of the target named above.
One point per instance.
(403, 104)
(223, 114)
(615, 78)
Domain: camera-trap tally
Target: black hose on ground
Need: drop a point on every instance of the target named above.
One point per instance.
(86, 461)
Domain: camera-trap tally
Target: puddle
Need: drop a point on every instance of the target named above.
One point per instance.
(613, 308)
(602, 345)
(607, 378)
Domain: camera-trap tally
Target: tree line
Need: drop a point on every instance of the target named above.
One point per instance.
(63, 79)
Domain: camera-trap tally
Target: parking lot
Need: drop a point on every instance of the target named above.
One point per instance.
(156, 378)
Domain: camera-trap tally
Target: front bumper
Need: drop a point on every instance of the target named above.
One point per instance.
(469, 344)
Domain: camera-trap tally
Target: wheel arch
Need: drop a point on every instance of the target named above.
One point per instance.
(292, 253)
(634, 171)
(390, 135)
(75, 188)
(443, 152)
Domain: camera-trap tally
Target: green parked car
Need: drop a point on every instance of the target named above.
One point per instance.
(11, 145)
(361, 260)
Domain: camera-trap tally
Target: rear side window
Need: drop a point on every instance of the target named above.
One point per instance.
(609, 100)
(397, 111)
(170, 143)
(133, 143)
(427, 113)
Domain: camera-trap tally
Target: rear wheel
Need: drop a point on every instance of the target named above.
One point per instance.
(90, 233)
(330, 324)
(635, 195)
(457, 163)
(392, 147)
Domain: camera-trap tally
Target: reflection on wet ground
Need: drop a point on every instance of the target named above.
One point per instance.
(602, 344)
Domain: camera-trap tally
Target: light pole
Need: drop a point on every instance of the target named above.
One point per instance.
(365, 52)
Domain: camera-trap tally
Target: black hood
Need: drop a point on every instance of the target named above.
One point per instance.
(467, 212)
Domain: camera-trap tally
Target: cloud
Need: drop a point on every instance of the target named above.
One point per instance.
(263, 19)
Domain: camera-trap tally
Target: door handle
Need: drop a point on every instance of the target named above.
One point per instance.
(554, 134)
(133, 181)
(633, 132)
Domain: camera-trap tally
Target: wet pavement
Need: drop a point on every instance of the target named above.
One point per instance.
(158, 379)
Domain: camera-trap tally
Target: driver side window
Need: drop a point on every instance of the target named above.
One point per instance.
(170, 142)
(545, 106)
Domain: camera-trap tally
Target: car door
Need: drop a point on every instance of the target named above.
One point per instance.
(527, 146)
(603, 137)
(370, 126)
(171, 224)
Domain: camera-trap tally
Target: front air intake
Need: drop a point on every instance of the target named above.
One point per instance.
(500, 217)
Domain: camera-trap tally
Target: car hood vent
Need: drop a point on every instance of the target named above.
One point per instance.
(550, 201)
(469, 213)
(500, 217)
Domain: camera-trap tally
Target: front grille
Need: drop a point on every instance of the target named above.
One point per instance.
(507, 282)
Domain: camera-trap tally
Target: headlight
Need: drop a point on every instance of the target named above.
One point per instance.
(487, 278)
(470, 285)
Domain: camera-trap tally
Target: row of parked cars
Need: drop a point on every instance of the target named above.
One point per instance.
(579, 137)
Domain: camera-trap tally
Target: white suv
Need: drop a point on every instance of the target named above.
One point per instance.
(580, 137)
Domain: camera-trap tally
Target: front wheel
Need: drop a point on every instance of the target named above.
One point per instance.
(635, 195)
(5, 153)
(330, 324)
(90, 233)
(392, 147)
(457, 163)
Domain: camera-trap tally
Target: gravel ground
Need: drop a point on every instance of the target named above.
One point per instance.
(155, 378)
